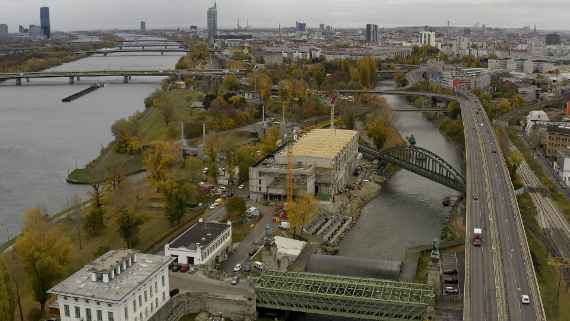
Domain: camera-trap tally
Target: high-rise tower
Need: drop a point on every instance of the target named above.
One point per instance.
(44, 22)
(212, 23)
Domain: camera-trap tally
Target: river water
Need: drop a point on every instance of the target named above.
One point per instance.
(408, 211)
(42, 139)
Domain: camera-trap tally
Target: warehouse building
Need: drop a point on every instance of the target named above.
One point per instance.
(203, 243)
(323, 161)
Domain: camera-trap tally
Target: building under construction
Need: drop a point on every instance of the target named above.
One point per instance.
(321, 163)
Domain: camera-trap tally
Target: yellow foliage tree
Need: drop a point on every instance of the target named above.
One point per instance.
(45, 251)
(159, 161)
(300, 212)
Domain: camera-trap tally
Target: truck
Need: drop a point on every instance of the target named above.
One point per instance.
(476, 239)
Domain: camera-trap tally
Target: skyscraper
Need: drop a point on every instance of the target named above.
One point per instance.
(212, 23)
(372, 33)
(3, 29)
(300, 26)
(143, 25)
(44, 22)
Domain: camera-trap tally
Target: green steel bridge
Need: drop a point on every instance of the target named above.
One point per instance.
(343, 296)
(420, 161)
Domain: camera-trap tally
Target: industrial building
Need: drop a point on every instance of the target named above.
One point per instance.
(204, 243)
(121, 285)
(322, 163)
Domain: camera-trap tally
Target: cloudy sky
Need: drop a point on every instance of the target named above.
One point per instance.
(107, 14)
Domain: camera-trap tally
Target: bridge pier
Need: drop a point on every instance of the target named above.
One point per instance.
(162, 53)
(28, 79)
(105, 54)
(78, 78)
(71, 80)
(126, 79)
(18, 81)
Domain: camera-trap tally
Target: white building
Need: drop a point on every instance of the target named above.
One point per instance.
(533, 117)
(562, 166)
(427, 38)
(203, 243)
(121, 285)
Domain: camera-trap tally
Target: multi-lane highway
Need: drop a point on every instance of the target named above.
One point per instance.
(500, 271)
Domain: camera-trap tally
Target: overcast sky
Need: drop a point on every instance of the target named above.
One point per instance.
(67, 15)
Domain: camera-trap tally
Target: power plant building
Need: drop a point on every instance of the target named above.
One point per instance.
(322, 163)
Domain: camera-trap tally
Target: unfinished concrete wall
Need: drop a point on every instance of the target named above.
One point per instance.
(239, 308)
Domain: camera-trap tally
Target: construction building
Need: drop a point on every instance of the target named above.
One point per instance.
(322, 163)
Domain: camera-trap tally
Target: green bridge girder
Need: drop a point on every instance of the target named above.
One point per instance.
(420, 161)
(362, 298)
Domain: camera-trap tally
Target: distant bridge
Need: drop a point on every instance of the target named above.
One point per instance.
(151, 45)
(343, 296)
(106, 52)
(420, 161)
(126, 74)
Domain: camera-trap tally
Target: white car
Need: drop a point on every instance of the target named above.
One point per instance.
(525, 299)
(241, 186)
(237, 267)
(213, 206)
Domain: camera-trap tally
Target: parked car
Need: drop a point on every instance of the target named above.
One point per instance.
(241, 186)
(252, 251)
(525, 299)
(258, 266)
(237, 267)
(174, 292)
(252, 212)
(451, 290)
(184, 268)
(235, 280)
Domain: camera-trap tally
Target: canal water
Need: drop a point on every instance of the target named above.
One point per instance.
(408, 212)
(42, 138)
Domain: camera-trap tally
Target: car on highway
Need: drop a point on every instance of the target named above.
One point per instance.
(241, 186)
(213, 206)
(481, 124)
(235, 280)
(525, 299)
(237, 267)
(252, 251)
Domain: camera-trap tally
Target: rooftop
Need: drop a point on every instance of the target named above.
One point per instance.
(81, 284)
(323, 143)
(202, 233)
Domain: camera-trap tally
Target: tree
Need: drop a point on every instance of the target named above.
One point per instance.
(45, 252)
(177, 196)
(230, 83)
(269, 140)
(453, 109)
(128, 223)
(75, 217)
(194, 167)
(158, 163)
(235, 207)
(126, 133)
(376, 129)
(504, 105)
(94, 221)
(246, 159)
(7, 299)
(300, 212)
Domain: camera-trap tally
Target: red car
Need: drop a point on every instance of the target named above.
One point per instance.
(184, 268)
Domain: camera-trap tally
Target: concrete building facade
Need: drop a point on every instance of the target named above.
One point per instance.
(427, 38)
(562, 166)
(121, 285)
(204, 243)
(212, 17)
(557, 139)
(323, 162)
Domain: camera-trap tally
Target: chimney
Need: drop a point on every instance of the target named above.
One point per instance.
(105, 277)
(94, 276)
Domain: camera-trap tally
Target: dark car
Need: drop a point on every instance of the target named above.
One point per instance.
(252, 251)
(174, 292)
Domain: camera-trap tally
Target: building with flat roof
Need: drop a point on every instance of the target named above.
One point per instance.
(323, 162)
(557, 139)
(204, 243)
(121, 285)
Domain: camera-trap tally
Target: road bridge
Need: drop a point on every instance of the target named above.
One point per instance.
(151, 45)
(126, 74)
(108, 51)
(362, 298)
(420, 161)
(501, 270)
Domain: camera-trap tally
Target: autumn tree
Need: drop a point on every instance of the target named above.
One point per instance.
(94, 220)
(76, 219)
(235, 207)
(230, 83)
(128, 223)
(300, 212)
(453, 109)
(504, 105)
(177, 197)
(7, 298)
(126, 132)
(158, 162)
(377, 130)
(45, 252)
(194, 166)
(246, 159)
(269, 140)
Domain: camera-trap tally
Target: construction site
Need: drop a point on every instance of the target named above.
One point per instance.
(319, 163)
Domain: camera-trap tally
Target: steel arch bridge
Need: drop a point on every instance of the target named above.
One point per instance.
(420, 161)
(343, 296)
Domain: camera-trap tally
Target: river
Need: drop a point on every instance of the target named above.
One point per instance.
(408, 211)
(42, 139)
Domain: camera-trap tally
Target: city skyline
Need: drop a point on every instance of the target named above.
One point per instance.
(106, 14)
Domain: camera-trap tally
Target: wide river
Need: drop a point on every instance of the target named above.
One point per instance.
(42, 139)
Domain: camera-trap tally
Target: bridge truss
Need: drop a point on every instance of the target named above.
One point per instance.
(420, 161)
(343, 296)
